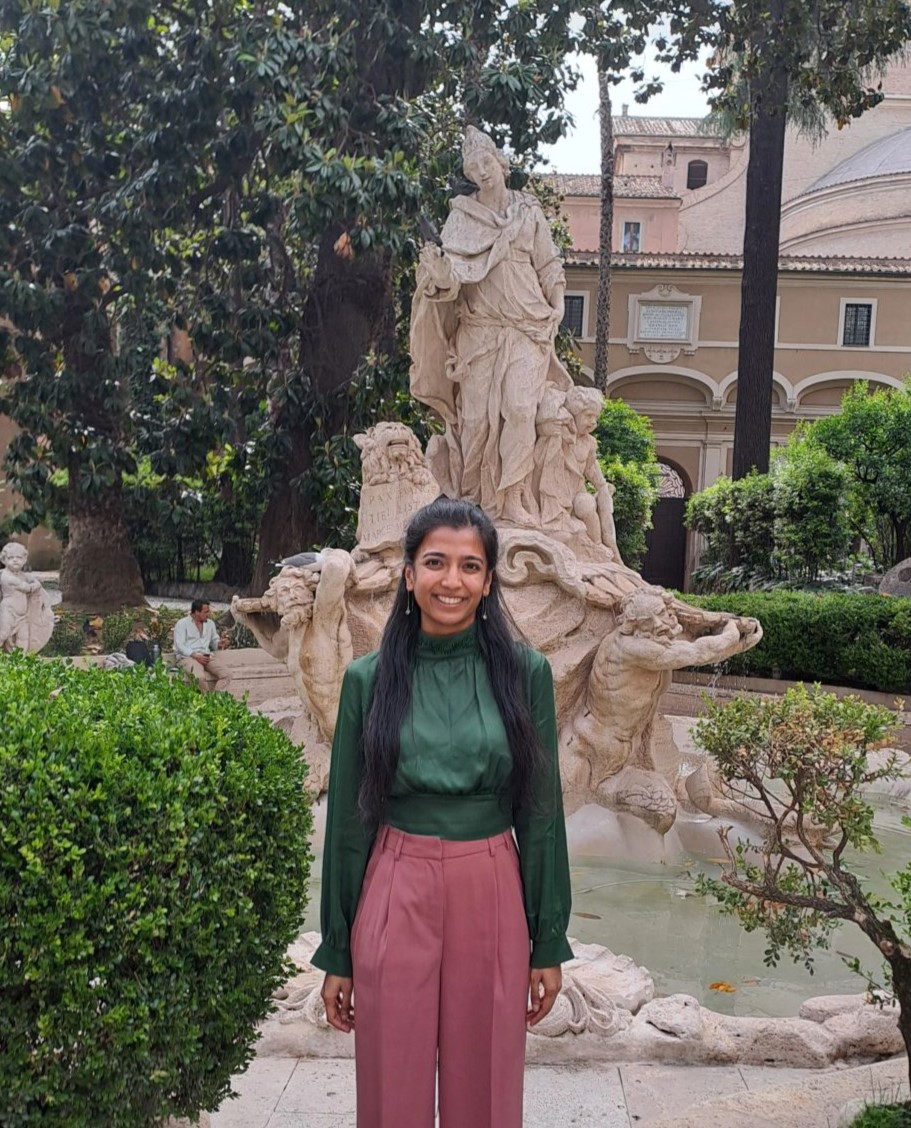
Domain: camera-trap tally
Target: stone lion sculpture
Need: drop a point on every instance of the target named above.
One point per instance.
(395, 482)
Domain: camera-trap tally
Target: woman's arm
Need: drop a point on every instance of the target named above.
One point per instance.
(541, 834)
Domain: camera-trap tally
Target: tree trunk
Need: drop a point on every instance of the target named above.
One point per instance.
(900, 966)
(98, 570)
(346, 312)
(235, 563)
(602, 320)
(759, 286)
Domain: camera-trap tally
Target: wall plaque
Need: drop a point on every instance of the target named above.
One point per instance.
(663, 321)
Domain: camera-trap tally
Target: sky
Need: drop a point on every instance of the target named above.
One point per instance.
(580, 152)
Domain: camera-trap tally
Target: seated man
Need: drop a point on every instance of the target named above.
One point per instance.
(196, 642)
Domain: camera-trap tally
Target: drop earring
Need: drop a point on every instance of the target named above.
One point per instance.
(484, 607)
(408, 604)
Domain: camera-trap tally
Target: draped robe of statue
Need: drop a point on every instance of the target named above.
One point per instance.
(483, 349)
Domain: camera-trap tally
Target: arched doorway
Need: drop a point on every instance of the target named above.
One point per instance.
(665, 542)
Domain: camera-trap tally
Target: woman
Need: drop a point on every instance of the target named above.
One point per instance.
(449, 940)
(486, 310)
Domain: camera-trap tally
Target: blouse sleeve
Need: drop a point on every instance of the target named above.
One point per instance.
(347, 844)
(541, 835)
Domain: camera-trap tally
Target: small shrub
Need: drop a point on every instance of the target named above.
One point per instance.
(884, 1116)
(802, 764)
(153, 869)
(811, 498)
(850, 640)
(116, 630)
(635, 494)
(67, 640)
(737, 521)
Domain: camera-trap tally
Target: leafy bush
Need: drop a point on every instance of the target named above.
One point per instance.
(788, 526)
(810, 498)
(116, 630)
(67, 640)
(635, 494)
(736, 520)
(851, 640)
(626, 451)
(871, 436)
(70, 636)
(153, 869)
(884, 1116)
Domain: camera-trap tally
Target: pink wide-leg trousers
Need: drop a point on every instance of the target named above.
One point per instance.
(441, 964)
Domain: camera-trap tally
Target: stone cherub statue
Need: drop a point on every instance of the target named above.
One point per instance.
(486, 310)
(26, 618)
(566, 459)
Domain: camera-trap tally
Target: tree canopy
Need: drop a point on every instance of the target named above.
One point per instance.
(238, 182)
(871, 438)
(775, 61)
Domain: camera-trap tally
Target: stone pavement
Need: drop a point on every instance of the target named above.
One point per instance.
(319, 1093)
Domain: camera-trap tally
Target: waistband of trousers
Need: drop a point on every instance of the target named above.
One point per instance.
(450, 817)
(424, 846)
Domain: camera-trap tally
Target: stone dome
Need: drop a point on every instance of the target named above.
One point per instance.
(886, 157)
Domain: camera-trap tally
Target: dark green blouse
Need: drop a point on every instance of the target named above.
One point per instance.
(452, 782)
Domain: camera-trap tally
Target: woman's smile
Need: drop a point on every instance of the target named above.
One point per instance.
(448, 579)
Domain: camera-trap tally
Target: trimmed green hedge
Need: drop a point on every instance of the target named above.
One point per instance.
(153, 870)
(853, 640)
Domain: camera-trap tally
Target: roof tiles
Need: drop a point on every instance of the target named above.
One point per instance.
(662, 127)
(625, 187)
(801, 264)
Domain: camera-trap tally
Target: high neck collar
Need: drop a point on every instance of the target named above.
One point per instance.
(449, 646)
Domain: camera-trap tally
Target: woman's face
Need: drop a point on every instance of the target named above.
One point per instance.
(448, 579)
(485, 170)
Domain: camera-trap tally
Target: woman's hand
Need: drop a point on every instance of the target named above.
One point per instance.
(336, 995)
(544, 986)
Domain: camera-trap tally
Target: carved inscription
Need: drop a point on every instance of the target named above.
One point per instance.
(662, 321)
(385, 510)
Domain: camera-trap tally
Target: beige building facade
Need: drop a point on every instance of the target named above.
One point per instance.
(844, 294)
(673, 350)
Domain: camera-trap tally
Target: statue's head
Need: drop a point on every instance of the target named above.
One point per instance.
(14, 556)
(481, 159)
(649, 613)
(585, 404)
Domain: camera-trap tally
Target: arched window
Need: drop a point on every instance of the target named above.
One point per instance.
(697, 174)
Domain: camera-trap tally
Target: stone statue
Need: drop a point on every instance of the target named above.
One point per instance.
(395, 482)
(566, 458)
(26, 618)
(607, 737)
(486, 310)
(519, 441)
(315, 640)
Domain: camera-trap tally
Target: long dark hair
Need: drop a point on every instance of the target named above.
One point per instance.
(503, 656)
